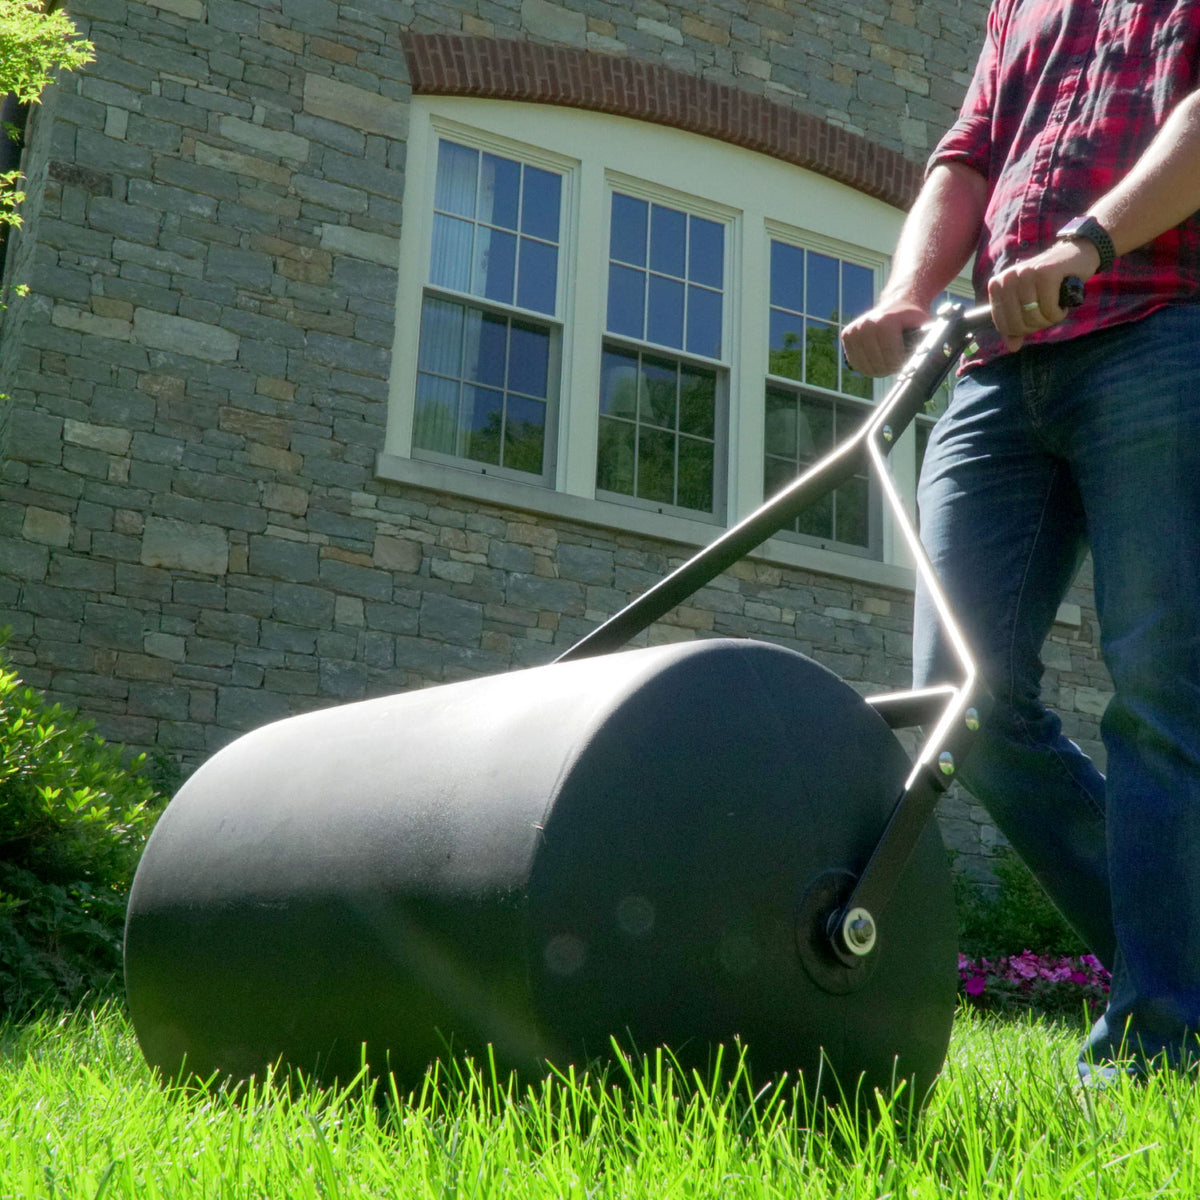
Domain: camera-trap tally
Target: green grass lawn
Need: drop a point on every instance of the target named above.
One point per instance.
(81, 1116)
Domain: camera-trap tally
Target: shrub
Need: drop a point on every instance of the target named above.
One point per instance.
(1018, 953)
(1014, 916)
(73, 819)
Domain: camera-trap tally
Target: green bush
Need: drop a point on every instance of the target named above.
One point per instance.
(73, 819)
(1014, 916)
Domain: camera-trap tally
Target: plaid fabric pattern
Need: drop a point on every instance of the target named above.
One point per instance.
(1065, 97)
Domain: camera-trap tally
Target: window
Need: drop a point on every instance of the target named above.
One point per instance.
(485, 388)
(812, 296)
(659, 380)
(633, 326)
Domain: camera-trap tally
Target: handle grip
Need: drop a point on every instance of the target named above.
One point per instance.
(1070, 295)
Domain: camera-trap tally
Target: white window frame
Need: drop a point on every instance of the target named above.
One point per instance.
(758, 197)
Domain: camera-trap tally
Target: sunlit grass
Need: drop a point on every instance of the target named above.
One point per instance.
(81, 1116)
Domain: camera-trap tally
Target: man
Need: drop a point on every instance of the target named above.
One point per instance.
(1077, 152)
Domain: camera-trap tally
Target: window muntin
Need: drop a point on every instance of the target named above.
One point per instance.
(812, 296)
(666, 276)
(496, 228)
(483, 386)
(658, 429)
(486, 381)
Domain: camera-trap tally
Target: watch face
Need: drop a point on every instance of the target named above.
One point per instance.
(1089, 228)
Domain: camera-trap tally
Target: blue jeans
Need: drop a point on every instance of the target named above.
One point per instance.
(1044, 453)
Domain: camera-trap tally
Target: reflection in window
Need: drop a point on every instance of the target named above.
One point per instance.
(657, 430)
(657, 435)
(801, 429)
(484, 379)
(496, 228)
(812, 296)
(666, 276)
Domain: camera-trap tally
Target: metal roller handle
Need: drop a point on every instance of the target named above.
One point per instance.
(957, 710)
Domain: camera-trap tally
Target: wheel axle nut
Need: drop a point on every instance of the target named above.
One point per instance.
(858, 931)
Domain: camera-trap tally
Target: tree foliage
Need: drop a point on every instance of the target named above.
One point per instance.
(34, 44)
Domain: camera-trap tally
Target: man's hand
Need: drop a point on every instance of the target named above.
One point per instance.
(1024, 297)
(874, 342)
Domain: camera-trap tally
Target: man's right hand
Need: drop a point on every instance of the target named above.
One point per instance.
(874, 343)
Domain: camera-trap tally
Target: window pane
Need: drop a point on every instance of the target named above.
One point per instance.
(787, 276)
(614, 462)
(821, 357)
(696, 474)
(628, 234)
(779, 435)
(483, 418)
(697, 402)
(451, 265)
(454, 190)
(541, 203)
(704, 322)
(668, 231)
(858, 291)
(706, 252)
(659, 382)
(664, 313)
(529, 360)
(619, 384)
(777, 474)
(495, 264)
(441, 338)
(538, 276)
(852, 512)
(499, 191)
(468, 407)
(855, 384)
(787, 352)
(524, 435)
(656, 466)
(815, 430)
(822, 287)
(817, 519)
(485, 348)
(435, 420)
(626, 301)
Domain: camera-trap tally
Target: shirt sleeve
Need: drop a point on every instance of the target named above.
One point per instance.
(969, 139)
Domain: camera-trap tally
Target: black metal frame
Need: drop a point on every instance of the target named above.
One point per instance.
(955, 710)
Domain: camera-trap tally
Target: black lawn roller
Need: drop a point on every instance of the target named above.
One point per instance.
(683, 845)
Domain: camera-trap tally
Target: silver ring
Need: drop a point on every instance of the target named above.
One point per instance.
(1030, 306)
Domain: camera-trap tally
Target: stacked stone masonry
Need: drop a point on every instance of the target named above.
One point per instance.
(193, 539)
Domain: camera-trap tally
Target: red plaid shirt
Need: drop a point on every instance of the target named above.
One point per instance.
(1066, 96)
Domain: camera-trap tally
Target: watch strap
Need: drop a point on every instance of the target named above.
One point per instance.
(1088, 228)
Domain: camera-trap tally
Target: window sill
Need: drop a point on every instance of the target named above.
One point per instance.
(606, 514)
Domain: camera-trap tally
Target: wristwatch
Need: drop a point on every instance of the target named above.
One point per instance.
(1092, 231)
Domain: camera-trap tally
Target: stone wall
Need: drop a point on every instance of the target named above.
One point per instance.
(192, 537)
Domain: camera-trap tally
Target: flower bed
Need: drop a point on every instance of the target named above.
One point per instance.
(1055, 985)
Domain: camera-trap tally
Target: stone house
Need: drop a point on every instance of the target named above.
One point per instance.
(371, 345)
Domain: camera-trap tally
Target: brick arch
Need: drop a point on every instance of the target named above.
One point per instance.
(445, 64)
